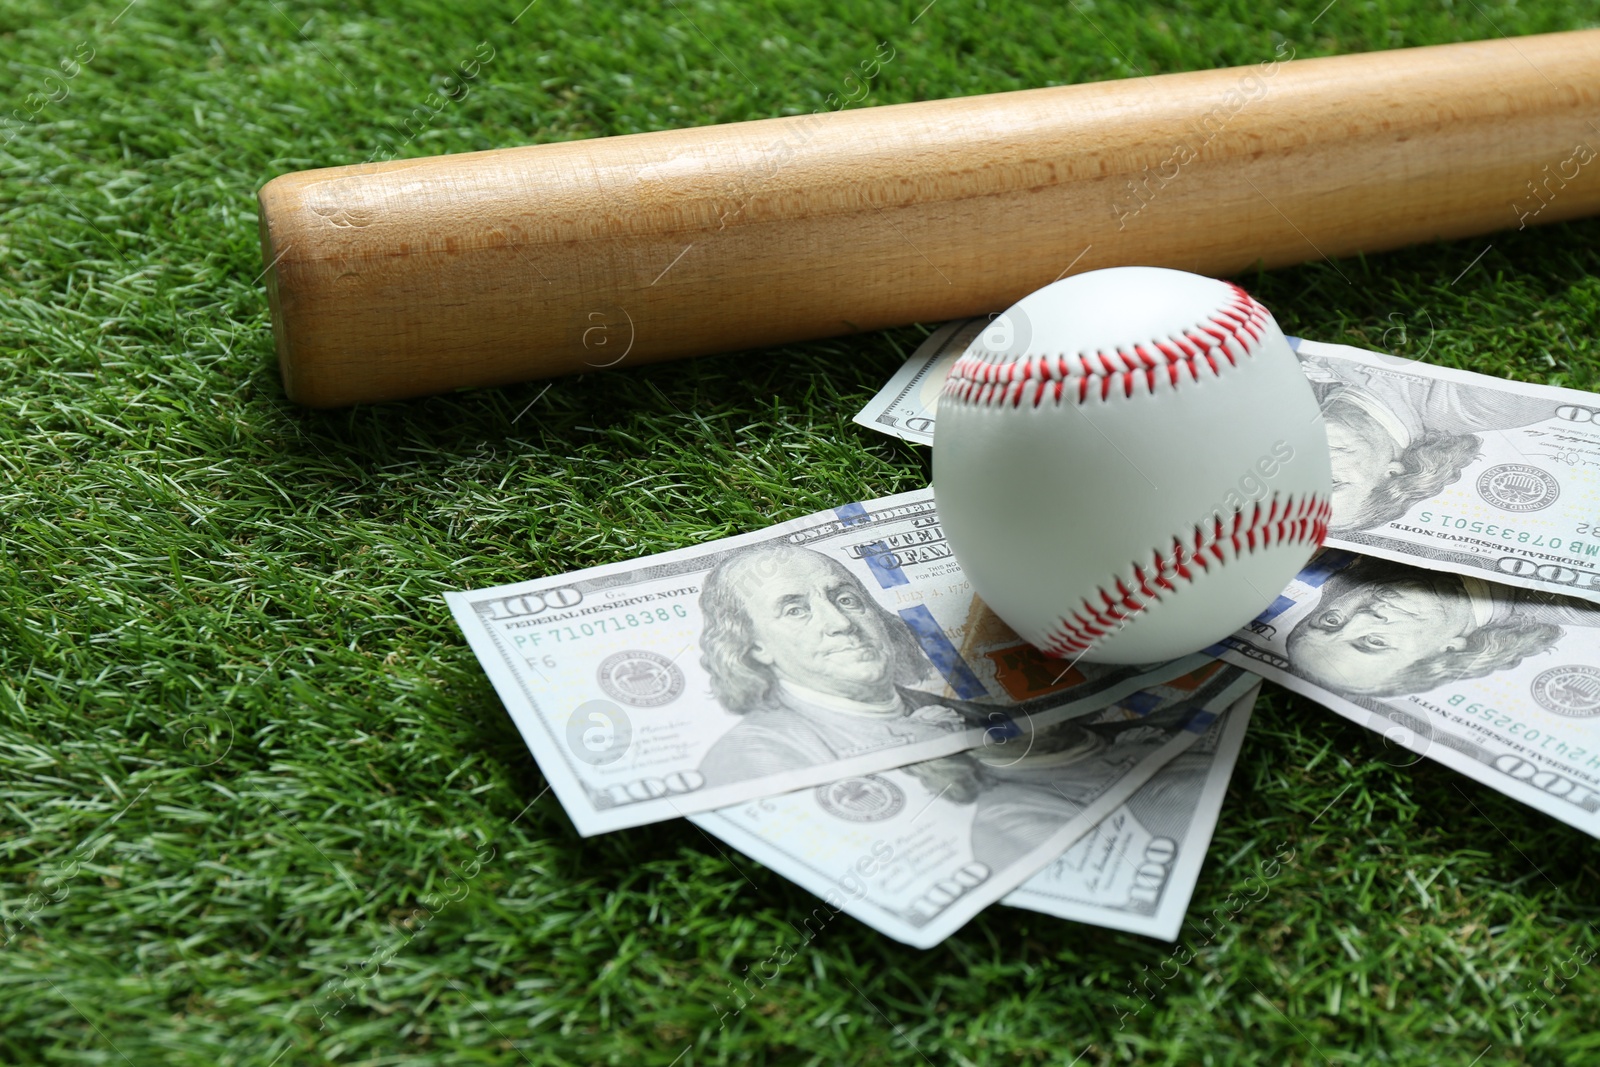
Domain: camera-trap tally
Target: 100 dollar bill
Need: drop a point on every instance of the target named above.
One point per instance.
(1461, 472)
(916, 852)
(1499, 683)
(1137, 869)
(908, 405)
(838, 644)
(1436, 467)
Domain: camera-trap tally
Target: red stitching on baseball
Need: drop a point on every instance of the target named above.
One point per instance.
(1108, 609)
(1232, 331)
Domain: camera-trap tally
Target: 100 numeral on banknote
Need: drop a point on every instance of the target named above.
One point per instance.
(842, 643)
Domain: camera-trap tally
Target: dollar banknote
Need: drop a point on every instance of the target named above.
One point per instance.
(1440, 468)
(916, 852)
(1137, 868)
(842, 643)
(1461, 472)
(1499, 683)
(907, 405)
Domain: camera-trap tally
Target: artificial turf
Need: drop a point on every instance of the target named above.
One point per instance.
(260, 804)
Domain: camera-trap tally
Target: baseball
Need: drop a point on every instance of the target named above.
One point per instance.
(1130, 465)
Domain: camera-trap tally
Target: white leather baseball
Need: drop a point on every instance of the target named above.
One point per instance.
(1130, 465)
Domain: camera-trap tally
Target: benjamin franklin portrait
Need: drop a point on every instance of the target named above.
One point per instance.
(1386, 629)
(817, 671)
(1396, 439)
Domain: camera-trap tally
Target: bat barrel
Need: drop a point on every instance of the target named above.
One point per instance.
(410, 277)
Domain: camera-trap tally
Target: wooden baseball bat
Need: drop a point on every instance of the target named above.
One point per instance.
(409, 277)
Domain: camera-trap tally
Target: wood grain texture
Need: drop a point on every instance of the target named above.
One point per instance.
(410, 277)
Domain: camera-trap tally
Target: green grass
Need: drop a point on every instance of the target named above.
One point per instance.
(242, 741)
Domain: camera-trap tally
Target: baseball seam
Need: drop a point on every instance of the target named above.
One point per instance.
(1113, 605)
(1231, 333)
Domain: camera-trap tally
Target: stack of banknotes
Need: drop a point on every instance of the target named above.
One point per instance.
(828, 697)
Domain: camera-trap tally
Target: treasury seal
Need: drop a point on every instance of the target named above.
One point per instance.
(640, 679)
(1518, 487)
(1572, 692)
(869, 799)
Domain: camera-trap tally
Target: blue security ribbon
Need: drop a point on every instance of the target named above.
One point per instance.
(851, 515)
(930, 635)
(884, 565)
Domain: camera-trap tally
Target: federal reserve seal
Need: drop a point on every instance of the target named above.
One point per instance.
(640, 679)
(869, 799)
(1518, 487)
(1572, 692)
